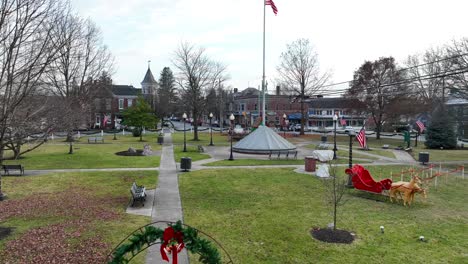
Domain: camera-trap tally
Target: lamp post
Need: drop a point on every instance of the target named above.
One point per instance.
(284, 125)
(184, 117)
(211, 129)
(351, 134)
(335, 118)
(231, 118)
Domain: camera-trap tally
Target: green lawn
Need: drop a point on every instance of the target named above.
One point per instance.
(204, 138)
(54, 154)
(265, 216)
(76, 217)
(192, 152)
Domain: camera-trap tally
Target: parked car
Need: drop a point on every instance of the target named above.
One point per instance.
(297, 127)
(238, 129)
(348, 128)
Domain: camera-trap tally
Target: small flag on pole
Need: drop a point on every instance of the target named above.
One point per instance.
(273, 6)
(361, 137)
(421, 126)
(104, 122)
(343, 122)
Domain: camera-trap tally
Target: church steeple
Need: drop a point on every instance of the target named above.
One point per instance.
(149, 84)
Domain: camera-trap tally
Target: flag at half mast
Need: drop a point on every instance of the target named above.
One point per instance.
(273, 6)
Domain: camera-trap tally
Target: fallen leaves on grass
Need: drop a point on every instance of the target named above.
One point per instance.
(69, 241)
(54, 244)
(74, 203)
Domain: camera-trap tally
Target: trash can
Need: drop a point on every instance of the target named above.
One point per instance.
(186, 163)
(324, 139)
(423, 157)
(310, 163)
(160, 139)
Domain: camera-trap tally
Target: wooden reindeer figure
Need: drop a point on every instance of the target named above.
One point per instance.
(405, 188)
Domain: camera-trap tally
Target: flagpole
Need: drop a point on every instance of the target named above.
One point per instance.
(263, 76)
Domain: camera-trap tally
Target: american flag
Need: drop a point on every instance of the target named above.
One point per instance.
(361, 137)
(273, 6)
(104, 122)
(420, 125)
(343, 122)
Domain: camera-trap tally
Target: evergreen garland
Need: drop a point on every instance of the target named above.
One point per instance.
(194, 244)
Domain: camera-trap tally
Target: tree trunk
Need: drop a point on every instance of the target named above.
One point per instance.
(141, 134)
(334, 202)
(17, 151)
(302, 115)
(69, 136)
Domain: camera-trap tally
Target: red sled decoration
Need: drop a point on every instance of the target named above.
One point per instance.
(362, 180)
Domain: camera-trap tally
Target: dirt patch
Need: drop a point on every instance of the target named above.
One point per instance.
(138, 152)
(332, 236)
(5, 232)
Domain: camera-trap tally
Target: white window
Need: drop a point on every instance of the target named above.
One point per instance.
(121, 103)
(129, 102)
(98, 119)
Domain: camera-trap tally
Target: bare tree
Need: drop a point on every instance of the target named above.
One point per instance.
(421, 70)
(458, 51)
(197, 73)
(335, 188)
(28, 45)
(81, 61)
(378, 85)
(299, 72)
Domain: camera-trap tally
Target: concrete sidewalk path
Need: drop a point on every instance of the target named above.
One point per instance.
(167, 205)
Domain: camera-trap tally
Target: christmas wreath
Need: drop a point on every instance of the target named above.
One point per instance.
(173, 239)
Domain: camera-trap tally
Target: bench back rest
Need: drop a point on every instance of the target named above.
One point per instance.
(12, 167)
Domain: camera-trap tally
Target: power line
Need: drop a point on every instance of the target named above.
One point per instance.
(404, 69)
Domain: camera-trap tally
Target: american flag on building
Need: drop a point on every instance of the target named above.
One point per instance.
(420, 125)
(361, 137)
(343, 122)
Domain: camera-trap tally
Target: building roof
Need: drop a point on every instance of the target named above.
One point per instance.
(149, 77)
(337, 102)
(125, 90)
(262, 141)
(456, 101)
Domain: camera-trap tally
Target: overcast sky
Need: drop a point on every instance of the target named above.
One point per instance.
(345, 33)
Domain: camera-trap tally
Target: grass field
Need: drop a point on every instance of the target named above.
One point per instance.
(265, 216)
(68, 217)
(54, 154)
(204, 138)
(192, 152)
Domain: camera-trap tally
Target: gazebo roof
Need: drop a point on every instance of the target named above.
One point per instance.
(262, 141)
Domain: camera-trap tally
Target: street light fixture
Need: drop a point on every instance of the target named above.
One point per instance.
(335, 118)
(284, 125)
(184, 117)
(211, 129)
(231, 118)
(351, 134)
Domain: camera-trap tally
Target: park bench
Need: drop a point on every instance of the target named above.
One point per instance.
(138, 194)
(8, 168)
(201, 149)
(95, 139)
(285, 153)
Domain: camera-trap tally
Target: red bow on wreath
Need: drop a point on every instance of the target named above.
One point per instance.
(172, 242)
